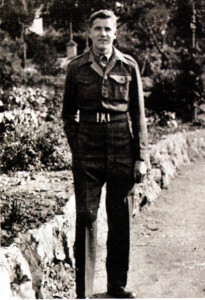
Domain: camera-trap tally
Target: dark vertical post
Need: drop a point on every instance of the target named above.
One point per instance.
(24, 56)
(193, 27)
(193, 54)
(71, 31)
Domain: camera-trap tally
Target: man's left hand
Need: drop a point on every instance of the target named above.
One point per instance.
(140, 170)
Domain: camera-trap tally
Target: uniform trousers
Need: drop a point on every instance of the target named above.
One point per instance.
(102, 153)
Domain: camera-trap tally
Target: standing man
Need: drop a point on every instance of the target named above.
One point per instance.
(109, 145)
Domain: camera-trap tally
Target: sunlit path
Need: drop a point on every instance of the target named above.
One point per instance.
(168, 241)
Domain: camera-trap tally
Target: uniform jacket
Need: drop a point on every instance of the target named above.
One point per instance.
(117, 89)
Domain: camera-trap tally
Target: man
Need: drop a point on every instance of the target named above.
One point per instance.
(104, 87)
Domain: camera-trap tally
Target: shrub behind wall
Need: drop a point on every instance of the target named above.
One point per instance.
(32, 135)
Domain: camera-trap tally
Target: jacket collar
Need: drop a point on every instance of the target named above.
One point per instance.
(88, 57)
(120, 56)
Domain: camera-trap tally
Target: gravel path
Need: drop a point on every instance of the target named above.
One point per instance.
(168, 242)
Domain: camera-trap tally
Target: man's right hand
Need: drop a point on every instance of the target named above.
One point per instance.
(140, 170)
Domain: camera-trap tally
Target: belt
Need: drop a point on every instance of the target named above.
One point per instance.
(101, 117)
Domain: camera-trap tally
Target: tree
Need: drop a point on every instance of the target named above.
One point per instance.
(15, 16)
(189, 30)
(60, 13)
(10, 64)
(15, 13)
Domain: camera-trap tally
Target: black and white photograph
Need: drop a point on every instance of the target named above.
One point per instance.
(102, 149)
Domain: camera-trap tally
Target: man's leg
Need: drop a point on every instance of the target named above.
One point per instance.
(88, 171)
(118, 242)
(88, 191)
(120, 181)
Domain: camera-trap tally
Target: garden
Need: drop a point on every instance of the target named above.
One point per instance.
(167, 40)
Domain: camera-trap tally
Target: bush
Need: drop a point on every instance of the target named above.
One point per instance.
(177, 86)
(38, 149)
(44, 55)
(10, 62)
(163, 94)
(190, 84)
(32, 136)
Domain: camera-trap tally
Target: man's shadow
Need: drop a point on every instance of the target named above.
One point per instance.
(101, 296)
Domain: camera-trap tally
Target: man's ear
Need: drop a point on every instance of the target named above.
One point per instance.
(89, 32)
(115, 34)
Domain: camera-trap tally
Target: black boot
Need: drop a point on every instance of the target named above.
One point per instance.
(120, 292)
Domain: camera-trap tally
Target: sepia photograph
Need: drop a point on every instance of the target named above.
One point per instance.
(102, 149)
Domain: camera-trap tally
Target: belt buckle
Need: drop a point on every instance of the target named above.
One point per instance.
(102, 117)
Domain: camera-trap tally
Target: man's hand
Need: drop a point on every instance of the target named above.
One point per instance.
(140, 170)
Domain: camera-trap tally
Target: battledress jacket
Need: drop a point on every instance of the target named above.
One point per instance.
(118, 89)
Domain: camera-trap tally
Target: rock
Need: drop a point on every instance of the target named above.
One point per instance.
(168, 171)
(5, 289)
(156, 175)
(25, 291)
(202, 107)
(17, 280)
(151, 191)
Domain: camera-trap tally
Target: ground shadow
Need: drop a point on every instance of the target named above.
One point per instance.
(101, 295)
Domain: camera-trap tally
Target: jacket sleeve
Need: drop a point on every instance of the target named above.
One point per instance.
(137, 115)
(70, 106)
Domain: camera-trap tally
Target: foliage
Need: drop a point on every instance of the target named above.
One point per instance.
(44, 54)
(61, 12)
(31, 132)
(179, 89)
(11, 71)
(16, 14)
(163, 119)
(190, 88)
(40, 149)
(10, 63)
(14, 215)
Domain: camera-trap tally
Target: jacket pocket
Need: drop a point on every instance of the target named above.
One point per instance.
(87, 87)
(120, 86)
(86, 80)
(120, 79)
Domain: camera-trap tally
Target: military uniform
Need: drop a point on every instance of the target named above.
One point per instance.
(109, 136)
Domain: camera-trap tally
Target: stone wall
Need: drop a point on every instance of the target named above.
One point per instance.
(40, 263)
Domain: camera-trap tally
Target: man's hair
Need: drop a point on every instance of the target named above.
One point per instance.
(102, 14)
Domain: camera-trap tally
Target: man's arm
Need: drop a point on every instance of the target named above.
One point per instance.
(139, 128)
(70, 107)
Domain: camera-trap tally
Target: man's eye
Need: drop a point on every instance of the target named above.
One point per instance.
(107, 29)
(97, 28)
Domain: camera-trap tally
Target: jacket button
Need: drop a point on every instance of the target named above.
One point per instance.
(105, 94)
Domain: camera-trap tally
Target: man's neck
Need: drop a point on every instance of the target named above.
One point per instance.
(106, 52)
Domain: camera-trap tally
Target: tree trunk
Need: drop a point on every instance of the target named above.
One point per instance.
(24, 56)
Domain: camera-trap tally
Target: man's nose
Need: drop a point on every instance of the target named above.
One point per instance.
(103, 32)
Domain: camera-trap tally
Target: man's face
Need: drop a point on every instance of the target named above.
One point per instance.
(102, 34)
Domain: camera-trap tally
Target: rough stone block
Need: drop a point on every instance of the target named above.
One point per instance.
(17, 280)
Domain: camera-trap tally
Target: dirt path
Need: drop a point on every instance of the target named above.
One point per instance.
(168, 242)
